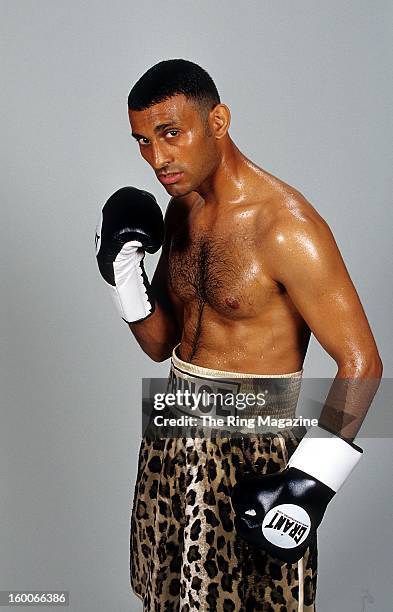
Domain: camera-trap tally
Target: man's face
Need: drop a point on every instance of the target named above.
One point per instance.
(176, 141)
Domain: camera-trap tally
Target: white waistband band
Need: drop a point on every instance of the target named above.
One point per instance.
(196, 370)
(272, 395)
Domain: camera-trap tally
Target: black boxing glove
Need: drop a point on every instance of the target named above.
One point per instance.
(131, 223)
(280, 512)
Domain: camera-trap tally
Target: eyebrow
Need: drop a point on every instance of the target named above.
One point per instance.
(158, 128)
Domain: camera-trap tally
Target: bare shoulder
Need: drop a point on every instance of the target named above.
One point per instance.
(294, 238)
(287, 217)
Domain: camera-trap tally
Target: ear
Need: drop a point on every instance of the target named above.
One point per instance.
(219, 120)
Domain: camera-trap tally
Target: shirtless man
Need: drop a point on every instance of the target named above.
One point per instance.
(248, 270)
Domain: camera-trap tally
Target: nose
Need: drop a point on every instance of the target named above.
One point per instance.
(160, 157)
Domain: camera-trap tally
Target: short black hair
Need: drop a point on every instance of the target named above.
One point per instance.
(172, 77)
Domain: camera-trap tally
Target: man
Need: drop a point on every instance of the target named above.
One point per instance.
(248, 270)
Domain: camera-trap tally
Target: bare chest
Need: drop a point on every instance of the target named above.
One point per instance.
(220, 267)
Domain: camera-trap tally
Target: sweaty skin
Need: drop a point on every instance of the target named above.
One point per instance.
(248, 268)
(236, 317)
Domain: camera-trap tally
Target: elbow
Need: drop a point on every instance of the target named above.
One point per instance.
(160, 353)
(373, 366)
(364, 366)
(378, 367)
(160, 357)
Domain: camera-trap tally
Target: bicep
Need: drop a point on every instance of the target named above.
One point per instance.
(310, 267)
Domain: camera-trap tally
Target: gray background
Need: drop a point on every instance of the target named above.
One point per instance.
(308, 84)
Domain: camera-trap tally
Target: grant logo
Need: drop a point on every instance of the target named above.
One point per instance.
(286, 525)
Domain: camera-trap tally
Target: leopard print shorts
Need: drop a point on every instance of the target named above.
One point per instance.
(185, 553)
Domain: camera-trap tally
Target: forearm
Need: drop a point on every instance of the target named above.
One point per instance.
(158, 334)
(350, 396)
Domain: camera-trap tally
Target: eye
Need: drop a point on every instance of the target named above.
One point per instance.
(143, 141)
(172, 133)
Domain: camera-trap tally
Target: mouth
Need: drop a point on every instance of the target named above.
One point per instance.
(169, 178)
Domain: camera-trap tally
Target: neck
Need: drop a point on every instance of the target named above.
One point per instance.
(226, 182)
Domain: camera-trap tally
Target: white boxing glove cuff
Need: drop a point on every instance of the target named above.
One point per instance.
(326, 457)
(131, 290)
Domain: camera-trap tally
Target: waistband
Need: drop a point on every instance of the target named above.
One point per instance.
(196, 370)
(243, 395)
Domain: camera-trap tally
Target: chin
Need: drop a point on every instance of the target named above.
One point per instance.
(177, 190)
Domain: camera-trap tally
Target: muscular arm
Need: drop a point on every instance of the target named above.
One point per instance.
(158, 334)
(305, 259)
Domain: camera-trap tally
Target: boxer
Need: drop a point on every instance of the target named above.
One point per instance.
(248, 270)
